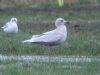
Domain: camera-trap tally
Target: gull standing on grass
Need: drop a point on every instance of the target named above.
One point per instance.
(51, 38)
(11, 26)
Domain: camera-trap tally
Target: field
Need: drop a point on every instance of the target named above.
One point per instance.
(82, 40)
(79, 55)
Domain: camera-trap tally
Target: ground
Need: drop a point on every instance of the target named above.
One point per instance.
(83, 42)
(83, 30)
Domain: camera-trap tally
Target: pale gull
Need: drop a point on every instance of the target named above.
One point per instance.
(11, 26)
(51, 38)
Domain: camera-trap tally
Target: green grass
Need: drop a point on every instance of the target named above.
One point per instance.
(33, 16)
(36, 68)
(82, 41)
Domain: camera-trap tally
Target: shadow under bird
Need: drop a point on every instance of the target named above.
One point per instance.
(51, 38)
(11, 26)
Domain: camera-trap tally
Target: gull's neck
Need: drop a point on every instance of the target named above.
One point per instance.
(61, 28)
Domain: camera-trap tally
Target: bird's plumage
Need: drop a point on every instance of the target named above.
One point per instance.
(11, 26)
(53, 37)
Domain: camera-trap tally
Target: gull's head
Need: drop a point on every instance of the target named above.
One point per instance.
(59, 22)
(13, 20)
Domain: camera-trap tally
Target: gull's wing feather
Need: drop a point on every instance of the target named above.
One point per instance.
(45, 38)
(49, 32)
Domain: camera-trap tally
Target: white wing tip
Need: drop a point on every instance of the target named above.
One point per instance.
(22, 41)
(26, 41)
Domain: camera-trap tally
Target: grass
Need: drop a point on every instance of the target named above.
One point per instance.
(82, 41)
(54, 68)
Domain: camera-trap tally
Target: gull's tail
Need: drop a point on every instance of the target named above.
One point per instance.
(31, 40)
(2, 27)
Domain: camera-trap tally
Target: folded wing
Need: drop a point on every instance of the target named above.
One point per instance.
(45, 39)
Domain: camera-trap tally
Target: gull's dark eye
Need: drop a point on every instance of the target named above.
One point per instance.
(61, 20)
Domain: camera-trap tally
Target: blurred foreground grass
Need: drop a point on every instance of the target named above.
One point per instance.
(54, 68)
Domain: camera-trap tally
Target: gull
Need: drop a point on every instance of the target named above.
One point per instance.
(11, 26)
(51, 38)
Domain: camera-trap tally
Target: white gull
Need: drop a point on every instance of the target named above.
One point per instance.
(11, 26)
(51, 38)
